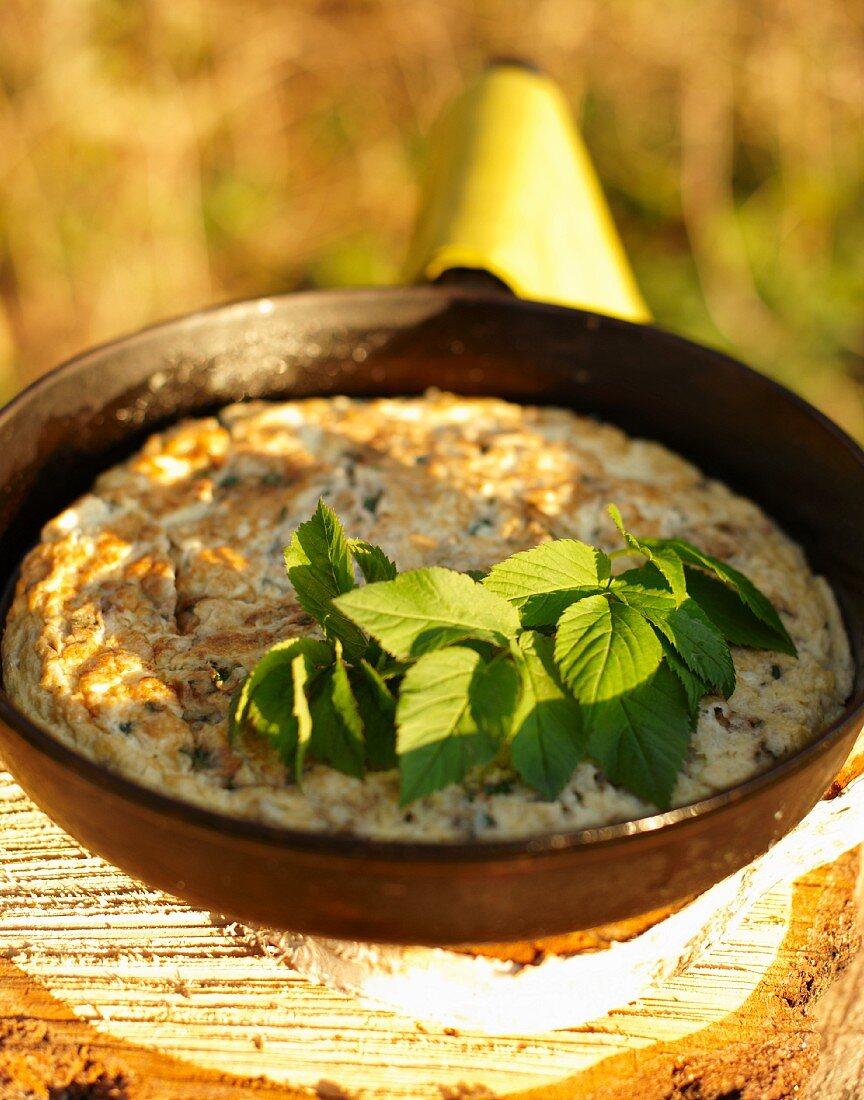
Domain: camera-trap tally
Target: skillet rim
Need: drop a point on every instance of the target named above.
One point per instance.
(357, 847)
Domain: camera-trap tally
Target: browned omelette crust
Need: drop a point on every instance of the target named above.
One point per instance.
(148, 600)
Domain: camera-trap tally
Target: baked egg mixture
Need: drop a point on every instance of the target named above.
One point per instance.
(147, 602)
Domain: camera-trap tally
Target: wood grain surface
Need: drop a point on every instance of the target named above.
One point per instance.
(111, 990)
(839, 1020)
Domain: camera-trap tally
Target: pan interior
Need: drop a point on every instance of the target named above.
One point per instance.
(734, 424)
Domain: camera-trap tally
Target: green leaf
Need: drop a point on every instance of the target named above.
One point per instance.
(640, 740)
(271, 714)
(700, 644)
(631, 540)
(318, 562)
(695, 638)
(728, 612)
(276, 662)
(546, 608)
(277, 712)
(550, 570)
(672, 568)
(387, 667)
(548, 740)
(493, 695)
(377, 708)
(438, 739)
(302, 714)
(235, 723)
(604, 648)
(755, 600)
(373, 562)
(646, 590)
(427, 609)
(337, 727)
(664, 560)
(321, 542)
(695, 688)
(637, 652)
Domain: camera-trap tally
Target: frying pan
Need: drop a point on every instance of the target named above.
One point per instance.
(735, 424)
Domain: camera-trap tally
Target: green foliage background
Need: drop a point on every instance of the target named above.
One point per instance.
(159, 155)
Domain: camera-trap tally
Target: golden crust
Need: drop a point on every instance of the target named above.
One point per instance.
(150, 598)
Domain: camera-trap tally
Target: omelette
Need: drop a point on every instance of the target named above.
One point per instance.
(148, 601)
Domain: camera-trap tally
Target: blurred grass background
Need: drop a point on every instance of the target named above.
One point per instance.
(160, 155)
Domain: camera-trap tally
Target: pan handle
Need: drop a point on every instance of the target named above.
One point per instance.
(510, 190)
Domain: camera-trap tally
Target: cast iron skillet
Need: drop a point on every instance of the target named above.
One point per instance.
(734, 423)
(737, 425)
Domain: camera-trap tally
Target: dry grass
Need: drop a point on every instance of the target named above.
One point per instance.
(159, 155)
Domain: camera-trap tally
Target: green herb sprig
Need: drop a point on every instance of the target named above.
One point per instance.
(542, 662)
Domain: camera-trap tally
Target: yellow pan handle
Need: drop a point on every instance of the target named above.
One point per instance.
(510, 190)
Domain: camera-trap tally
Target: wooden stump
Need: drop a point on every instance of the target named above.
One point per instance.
(111, 990)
